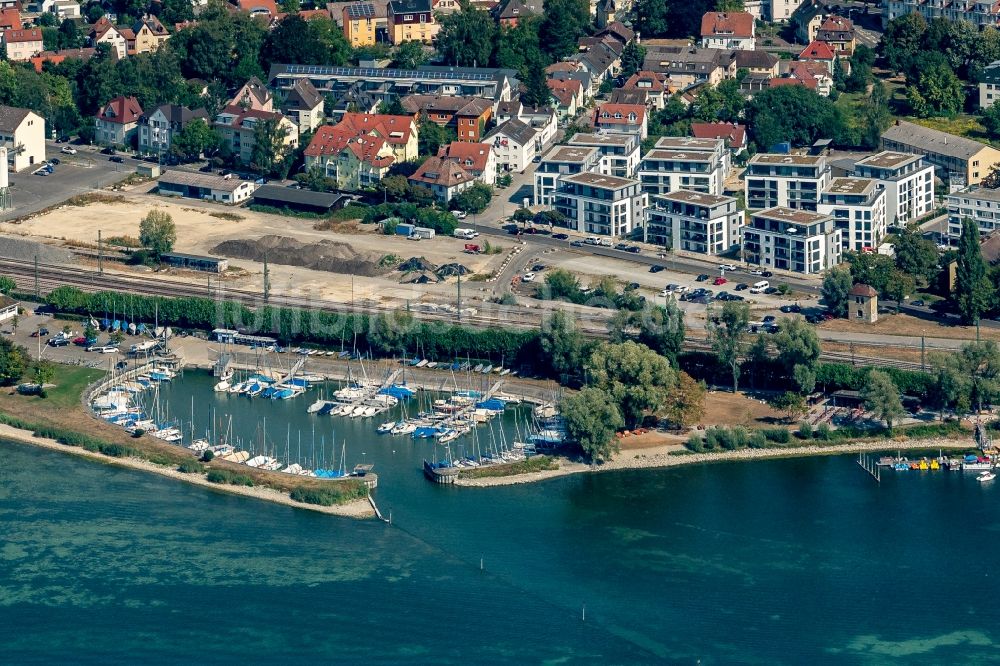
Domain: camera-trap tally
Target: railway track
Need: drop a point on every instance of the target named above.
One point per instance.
(51, 276)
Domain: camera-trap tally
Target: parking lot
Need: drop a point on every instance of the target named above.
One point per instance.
(75, 174)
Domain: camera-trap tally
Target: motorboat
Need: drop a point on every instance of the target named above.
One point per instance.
(986, 476)
(386, 427)
(222, 387)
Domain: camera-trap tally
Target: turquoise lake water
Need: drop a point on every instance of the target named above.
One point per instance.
(790, 561)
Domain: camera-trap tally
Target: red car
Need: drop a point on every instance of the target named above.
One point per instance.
(719, 280)
(81, 341)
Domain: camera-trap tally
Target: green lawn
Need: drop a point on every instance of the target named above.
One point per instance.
(70, 380)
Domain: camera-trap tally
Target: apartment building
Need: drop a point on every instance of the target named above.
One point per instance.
(858, 208)
(563, 161)
(411, 20)
(979, 204)
(794, 240)
(788, 181)
(602, 205)
(359, 23)
(978, 12)
(959, 161)
(694, 222)
(685, 163)
(908, 182)
(619, 152)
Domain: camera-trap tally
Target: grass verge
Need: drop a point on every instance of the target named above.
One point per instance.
(532, 464)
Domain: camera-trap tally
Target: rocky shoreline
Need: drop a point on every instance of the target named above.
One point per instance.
(361, 508)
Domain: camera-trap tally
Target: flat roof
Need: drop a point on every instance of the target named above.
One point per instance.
(205, 180)
(778, 158)
(680, 155)
(976, 192)
(698, 198)
(192, 257)
(588, 138)
(888, 159)
(689, 143)
(571, 154)
(600, 180)
(792, 215)
(851, 185)
(297, 196)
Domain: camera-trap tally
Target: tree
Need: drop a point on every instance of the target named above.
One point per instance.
(389, 333)
(633, 56)
(902, 40)
(157, 232)
(559, 284)
(13, 362)
(949, 386)
(591, 419)
(980, 362)
(652, 16)
(792, 113)
(637, 379)
(990, 119)
(876, 116)
(900, 287)
(7, 284)
(836, 290)
(270, 151)
(916, 256)
(409, 55)
(726, 335)
(563, 23)
(90, 332)
(195, 139)
(536, 87)
(466, 37)
(297, 41)
(935, 91)
(562, 345)
(475, 199)
(791, 403)
(42, 373)
(875, 270)
(797, 346)
(882, 397)
(972, 290)
(659, 328)
(686, 404)
(431, 136)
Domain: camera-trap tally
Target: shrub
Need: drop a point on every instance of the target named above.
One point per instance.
(224, 476)
(823, 432)
(696, 442)
(757, 440)
(805, 430)
(190, 467)
(338, 493)
(207, 456)
(777, 435)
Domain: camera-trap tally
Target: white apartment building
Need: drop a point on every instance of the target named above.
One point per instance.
(22, 133)
(781, 10)
(979, 204)
(694, 222)
(800, 241)
(685, 163)
(908, 181)
(620, 153)
(788, 181)
(602, 205)
(978, 12)
(563, 161)
(857, 206)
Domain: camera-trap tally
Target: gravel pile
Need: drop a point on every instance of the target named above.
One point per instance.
(331, 256)
(12, 247)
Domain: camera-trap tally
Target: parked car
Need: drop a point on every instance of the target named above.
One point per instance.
(632, 286)
(815, 318)
(794, 307)
(592, 240)
(680, 289)
(66, 150)
(771, 290)
(622, 246)
(756, 271)
(742, 286)
(528, 277)
(604, 242)
(719, 280)
(918, 303)
(655, 268)
(55, 161)
(560, 236)
(121, 365)
(766, 274)
(116, 159)
(58, 342)
(577, 244)
(538, 268)
(727, 267)
(107, 150)
(702, 277)
(634, 249)
(769, 319)
(670, 288)
(40, 333)
(459, 214)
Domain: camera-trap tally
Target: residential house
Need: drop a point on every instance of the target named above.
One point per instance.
(685, 163)
(411, 21)
(727, 30)
(789, 239)
(979, 13)
(837, 32)
(511, 13)
(789, 80)
(476, 158)
(56, 57)
(105, 32)
(10, 19)
(352, 100)
(515, 144)
(158, 129)
(444, 177)
(780, 11)
(816, 74)
(734, 135)
(594, 203)
(694, 222)
(819, 52)
(907, 180)
(359, 23)
(601, 60)
(572, 70)
(858, 208)
(65, 9)
(467, 115)
(354, 160)
(979, 204)
(568, 94)
(687, 65)
(22, 132)
(562, 161)
(544, 121)
(265, 8)
(304, 106)
(399, 132)
(806, 21)
(989, 85)
(657, 86)
(759, 63)
(117, 123)
(619, 153)
(23, 44)
(147, 36)
(625, 118)
(237, 125)
(607, 11)
(962, 161)
(785, 181)
(253, 96)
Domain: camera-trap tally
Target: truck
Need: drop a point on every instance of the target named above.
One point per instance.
(467, 234)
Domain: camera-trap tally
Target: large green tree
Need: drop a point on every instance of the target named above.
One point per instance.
(592, 418)
(13, 362)
(195, 139)
(902, 40)
(881, 397)
(565, 21)
(836, 289)
(798, 351)
(792, 113)
(270, 154)
(632, 57)
(934, 90)
(466, 37)
(157, 232)
(973, 292)
(916, 256)
(638, 379)
(562, 345)
(726, 333)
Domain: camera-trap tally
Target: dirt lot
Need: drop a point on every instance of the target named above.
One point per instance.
(903, 324)
(199, 231)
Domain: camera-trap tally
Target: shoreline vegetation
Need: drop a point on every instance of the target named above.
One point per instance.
(676, 456)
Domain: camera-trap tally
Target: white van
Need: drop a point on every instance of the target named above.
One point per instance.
(760, 287)
(466, 234)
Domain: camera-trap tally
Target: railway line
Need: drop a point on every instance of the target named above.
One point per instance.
(50, 276)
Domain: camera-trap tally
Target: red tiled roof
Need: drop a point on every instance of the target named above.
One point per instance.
(605, 114)
(22, 36)
(834, 23)
(471, 156)
(250, 5)
(333, 139)
(737, 24)
(565, 90)
(735, 135)
(10, 19)
(792, 81)
(440, 171)
(121, 111)
(394, 129)
(863, 290)
(808, 69)
(657, 81)
(816, 51)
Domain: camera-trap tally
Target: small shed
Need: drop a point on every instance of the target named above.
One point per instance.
(195, 262)
(863, 305)
(303, 201)
(148, 170)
